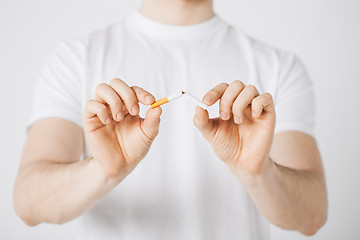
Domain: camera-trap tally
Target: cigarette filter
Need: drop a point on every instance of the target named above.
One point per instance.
(166, 99)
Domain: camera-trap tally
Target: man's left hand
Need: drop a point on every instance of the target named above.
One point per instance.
(242, 136)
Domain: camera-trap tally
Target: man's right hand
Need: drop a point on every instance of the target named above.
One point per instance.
(117, 136)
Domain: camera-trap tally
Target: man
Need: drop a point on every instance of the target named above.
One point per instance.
(87, 107)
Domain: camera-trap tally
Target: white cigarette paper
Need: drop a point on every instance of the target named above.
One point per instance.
(175, 96)
(197, 101)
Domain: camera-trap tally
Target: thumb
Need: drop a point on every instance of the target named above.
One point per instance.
(203, 123)
(150, 125)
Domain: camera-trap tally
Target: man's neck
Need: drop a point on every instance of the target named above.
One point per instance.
(178, 12)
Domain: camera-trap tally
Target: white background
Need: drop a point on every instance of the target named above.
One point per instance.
(324, 33)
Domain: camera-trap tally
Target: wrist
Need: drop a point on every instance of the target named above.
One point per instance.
(253, 179)
(108, 176)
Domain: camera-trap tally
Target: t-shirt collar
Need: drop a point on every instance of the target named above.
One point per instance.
(165, 31)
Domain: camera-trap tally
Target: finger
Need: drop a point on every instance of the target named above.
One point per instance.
(203, 123)
(143, 96)
(127, 95)
(94, 108)
(150, 125)
(215, 94)
(242, 101)
(228, 98)
(106, 94)
(264, 102)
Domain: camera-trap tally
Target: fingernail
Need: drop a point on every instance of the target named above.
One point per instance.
(119, 116)
(148, 99)
(208, 99)
(108, 120)
(135, 109)
(236, 119)
(254, 114)
(223, 115)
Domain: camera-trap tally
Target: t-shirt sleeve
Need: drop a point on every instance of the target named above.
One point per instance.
(295, 99)
(58, 89)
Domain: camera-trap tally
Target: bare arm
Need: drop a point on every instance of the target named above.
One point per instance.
(53, 185)
(290, 190)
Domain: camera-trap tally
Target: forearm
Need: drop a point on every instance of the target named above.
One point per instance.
(291, 199)
(59, 192)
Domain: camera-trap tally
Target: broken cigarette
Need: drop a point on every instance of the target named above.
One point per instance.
(166, 99)
(196, 100)
(175, 96)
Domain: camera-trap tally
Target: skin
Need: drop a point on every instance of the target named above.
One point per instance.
(178, 12)
(282, 173)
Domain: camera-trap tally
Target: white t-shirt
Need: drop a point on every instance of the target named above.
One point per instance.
(181, 190)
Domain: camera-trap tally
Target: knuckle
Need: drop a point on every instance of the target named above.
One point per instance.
(256, 105)
(101, 107)
(225, 106)
(114, 102)
(223, 85)
(134, 88)
(139, 91)
(88, 103)
(256, 101)
(251, 88)
(129, 96)
(237, 83)
(87, 106)
(91, 104)
(213, 93)
(218, 89)
(115, 81)
(126, 93)
(239, 104)
(268, 95)
(103, 110)
(100, 87)
(128, 104)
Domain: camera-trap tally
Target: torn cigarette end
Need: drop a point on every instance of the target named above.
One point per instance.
(166, 99)
(197, 101)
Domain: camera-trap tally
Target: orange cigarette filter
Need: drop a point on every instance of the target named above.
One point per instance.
(166, 99)
(160, 102)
